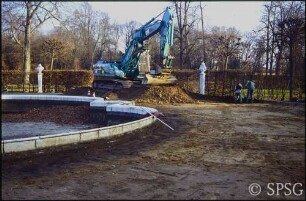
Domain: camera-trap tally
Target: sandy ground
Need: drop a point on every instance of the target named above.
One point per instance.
(215, 152)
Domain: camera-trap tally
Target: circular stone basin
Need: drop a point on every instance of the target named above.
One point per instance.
(106, 119)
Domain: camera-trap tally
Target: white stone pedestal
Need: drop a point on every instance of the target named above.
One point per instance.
(39, 69)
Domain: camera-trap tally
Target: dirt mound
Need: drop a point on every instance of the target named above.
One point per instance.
(110, 95)
(164, 94)
(142, 94)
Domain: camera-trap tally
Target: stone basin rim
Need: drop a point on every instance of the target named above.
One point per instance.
(113, 106)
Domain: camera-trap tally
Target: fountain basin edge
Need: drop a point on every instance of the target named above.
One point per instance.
(114, 107)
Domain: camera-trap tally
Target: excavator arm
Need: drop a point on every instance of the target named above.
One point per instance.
(128, 67)
(165, 28)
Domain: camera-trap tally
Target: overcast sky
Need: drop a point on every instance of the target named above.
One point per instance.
(244, 16)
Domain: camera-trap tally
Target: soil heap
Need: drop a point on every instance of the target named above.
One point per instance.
(142, 94)
(164, 94)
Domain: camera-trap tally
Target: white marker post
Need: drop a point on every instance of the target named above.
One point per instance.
(202, 77)
(39, 69)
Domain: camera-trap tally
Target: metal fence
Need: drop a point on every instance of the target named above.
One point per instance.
(222, 84)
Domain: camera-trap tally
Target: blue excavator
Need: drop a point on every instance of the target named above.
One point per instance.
(135, 66)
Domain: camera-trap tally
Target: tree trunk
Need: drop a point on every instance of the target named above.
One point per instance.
(226, 63)
(92, 56)
(27, 49)
(278, 59)
(271, 57)
(267, 48)
(291, 68)
(268, 37)
(52, 58)
(178, 9)
(202, 20)
(181, 51)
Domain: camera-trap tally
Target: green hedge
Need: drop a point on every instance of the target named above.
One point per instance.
(66, 78)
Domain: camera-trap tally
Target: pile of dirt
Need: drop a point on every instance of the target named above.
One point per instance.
(111, 95)
(142, 94)
(164, 94)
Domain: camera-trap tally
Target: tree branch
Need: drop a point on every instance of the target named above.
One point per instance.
(35, 9)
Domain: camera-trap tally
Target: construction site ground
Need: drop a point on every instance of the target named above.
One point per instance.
(216, 151)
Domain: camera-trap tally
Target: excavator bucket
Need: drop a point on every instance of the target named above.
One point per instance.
(162, 79)
(158, 76)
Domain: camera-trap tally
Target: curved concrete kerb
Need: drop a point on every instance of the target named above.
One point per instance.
(118, 106)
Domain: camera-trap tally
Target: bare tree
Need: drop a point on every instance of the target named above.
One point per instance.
(186, 19)
(116, 33)
(10, 54)
(257, 55)
(127, 30)
(229, 43)
(279, 36)
(90, 31)
(247, 45)
(284, 24)
(294, 27)
(22, 19)
(267, 21)
(203, 36)
(53, 47)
